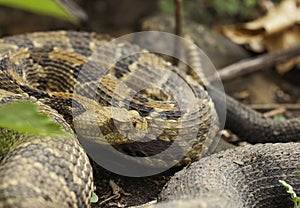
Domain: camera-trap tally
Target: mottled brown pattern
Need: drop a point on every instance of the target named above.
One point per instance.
(69, 74)
(72, 77)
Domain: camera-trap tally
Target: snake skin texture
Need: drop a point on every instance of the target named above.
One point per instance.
(213, 44)
(70, 76)
(246, 123)
(251, 126)
(245, 176)
(43, 171)
(241, 177)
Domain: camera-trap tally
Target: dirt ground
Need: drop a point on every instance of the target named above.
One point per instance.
(263, 87)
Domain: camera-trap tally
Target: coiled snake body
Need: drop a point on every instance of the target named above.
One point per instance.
(70, 75)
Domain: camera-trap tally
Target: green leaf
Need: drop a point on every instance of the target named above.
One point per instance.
(279, 118)
(291, 191)
(23, 117)
(94, 198)
(250, 3)
(229, 6)
(167, 6)
(46, 7)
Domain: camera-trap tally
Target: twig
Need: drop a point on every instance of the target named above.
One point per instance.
(264, 61)
(178, 17)
(116, 191)
(178, 27)
(288, 106)
(108, 199)
(274, 112)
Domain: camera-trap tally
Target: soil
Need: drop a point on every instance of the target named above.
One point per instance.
(263, 87)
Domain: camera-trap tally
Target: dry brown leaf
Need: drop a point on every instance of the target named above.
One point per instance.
(287, 38)
(278, 20)
(278, 29)
(287, 66)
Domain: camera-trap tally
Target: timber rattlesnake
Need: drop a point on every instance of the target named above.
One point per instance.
(70, 72)
(46, 68)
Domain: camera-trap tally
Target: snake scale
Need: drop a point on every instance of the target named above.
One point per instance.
(45, 67)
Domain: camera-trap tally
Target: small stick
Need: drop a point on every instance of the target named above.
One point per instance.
(178, 17)
(178, 27)
(274, 112)
(270, 106)
(264, 61)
